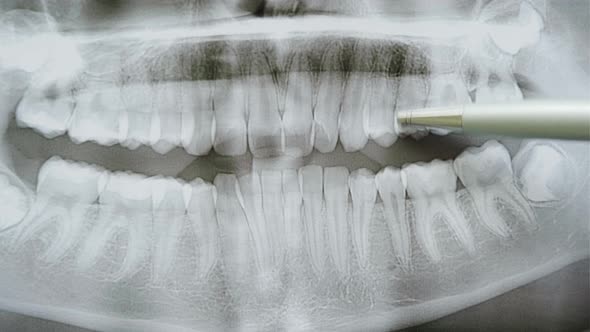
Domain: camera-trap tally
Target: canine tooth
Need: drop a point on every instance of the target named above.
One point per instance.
(97, 118)
(292, 212)
(381, 118)
(198, 118)
(168, 213)
(327, 111)
(486, 172)
(298, 115)
(391, 184)
(363, 192)
(201, 214)
(230, 118)
(272, 203)
(48, 115)
(264, 122)
(336, 197)
(353, 113)
(311, 182)
(432, 190)
(125, 207)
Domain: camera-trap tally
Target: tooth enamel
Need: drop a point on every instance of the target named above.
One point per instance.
(272, 202)
(48, 115)
(354, 112)
(298, 115)
(337, 213)
(486, 172)
(264, 122)
(125, 208)
(432, 190)
(97, 118)
(292, 210)
(168, 213)
(230, 118)
(381, 119)
(198, 118)
(391, 184)
(311, 182)
(326, 112)
(201, 215)
(363, 193)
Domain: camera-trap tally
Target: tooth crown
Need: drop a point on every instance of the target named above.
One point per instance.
(484, 166)
(79, 181)
(129, 190)
(431, 179)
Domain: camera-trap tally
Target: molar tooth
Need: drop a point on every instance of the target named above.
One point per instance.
(48, 115)
(201, 214)
(311, 182)
(327, 111)
(97, 118)
(198, 118)
(354, 112)
(272, 202)
(432, 187)
(230, 118)
(363, 192)
(336, 197)
(391, 184)
(293, 201)
(381, 118)
(265, 136)
(298, 116)
(486, 172)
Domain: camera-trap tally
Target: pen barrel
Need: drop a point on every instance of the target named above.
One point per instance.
(543, 119)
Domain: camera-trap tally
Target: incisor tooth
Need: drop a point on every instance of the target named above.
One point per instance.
(327, 111)
(363, 192)
(298, 116)
(311, 182)
(272, 203)
(230, 118)
(337, 212)
(353, 113)
(292, 210)
(381, 118)
(265, 135)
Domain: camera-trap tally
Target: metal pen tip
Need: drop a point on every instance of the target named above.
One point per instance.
(446, 117)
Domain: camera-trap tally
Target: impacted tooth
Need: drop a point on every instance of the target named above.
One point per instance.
(198, 118)
(354, 112)
(97, 118)
(264, 121)
(336, 197)
(298, 115)
(49, 115)
(381, 119)
(292, 209)
(432, 190)
(391, 185)
(272, 202)
(327, 110)
(363, 192)
(486, 172)
(201, 215)
(230, 118)
(311, 182)
(498, 89)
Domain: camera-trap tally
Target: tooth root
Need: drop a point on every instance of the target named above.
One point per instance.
(311, 182)
(46, 115)
(230, 118)
(198, 119)
(432, 190)
(298, 116)
(201, 214)
(353, 112)
(292, 212)
(264, 121)
(272, 196)
(363, 192)
(15, 202)
(336, 197)
(327, 112)
(96, 118)
(391, 185)
(487, 174)
(381, 118)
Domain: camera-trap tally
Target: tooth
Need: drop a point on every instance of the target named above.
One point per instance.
(198, 118)
(381, 119)
(311, 182)
(487, 174)
(168, 213)
(292, 211)
(432, 190)
(125, 208)
(15, 201)
(233, 228)
(166, 117)
(412, 94)
(272, 203)
(391, 185)
(230, 118)
(65, 193)
(136, 117)
(336, 197)
(353, 113)
(201, 214)
(49, 115)
(97, 118)
(298, 116)
(498, 89)
(327, 111)
(264, 122)
(363, 193)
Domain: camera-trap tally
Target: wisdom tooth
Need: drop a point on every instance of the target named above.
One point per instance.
(265, 136)
(48, 115)
(381, 119)
(336, 197)
(391, 184)
(292, 209)
(354, 113)
(198, 118)
(201, 214)
(327, 110)
(272, 203)
(497, 88)
(298, 115)
(230, 118)
(486, 172)
(97, 118)
(125, 207)
(311, 182)
(363, 192)
(432, 190)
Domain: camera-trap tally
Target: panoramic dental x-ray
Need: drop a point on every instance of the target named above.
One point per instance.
(293, 165)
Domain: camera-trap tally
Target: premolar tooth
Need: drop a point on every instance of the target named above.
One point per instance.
(354, 112)
(336, 197)
(327, 111)
(48, 115)
(230, 118)
(292, 212)
(264, 121)
(165, 130)
(272, 202)
(136, 117)
(198, 118)
(363, 192)
(311, 182)
(201, 214)
(381, 118)
(391, 185)
(486, 172)
(432, 190)
(298, 115)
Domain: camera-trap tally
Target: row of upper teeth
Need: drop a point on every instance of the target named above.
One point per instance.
(326, 212)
